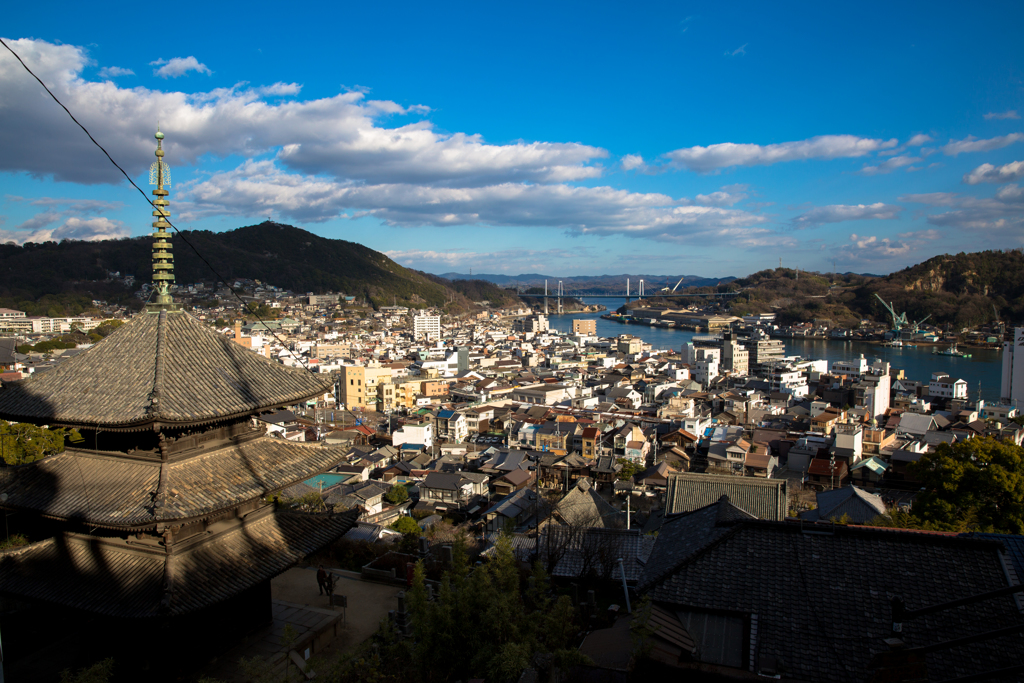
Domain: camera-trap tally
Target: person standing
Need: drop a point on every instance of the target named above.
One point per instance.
(321, 579)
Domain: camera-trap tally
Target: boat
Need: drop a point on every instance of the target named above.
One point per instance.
(951, 351)
(895, 342)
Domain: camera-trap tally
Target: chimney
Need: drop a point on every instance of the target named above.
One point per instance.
(238, 330)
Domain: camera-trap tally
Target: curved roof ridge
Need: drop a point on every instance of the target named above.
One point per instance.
(164, 367)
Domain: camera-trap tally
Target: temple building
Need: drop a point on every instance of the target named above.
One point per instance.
(159, 524)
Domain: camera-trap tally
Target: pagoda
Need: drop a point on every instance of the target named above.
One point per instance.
(160, 519)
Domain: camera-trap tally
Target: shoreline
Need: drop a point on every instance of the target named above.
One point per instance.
(842, 340)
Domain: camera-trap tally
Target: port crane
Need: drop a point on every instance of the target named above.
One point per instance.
(899, 320)
(666, 289)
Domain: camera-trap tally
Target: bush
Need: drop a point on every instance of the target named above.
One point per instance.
(397, 495)
(406, 525)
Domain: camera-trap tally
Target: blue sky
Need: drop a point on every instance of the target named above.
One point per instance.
(579, 138)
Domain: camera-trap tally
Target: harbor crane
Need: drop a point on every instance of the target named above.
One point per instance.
(666, 289)
(899, 320)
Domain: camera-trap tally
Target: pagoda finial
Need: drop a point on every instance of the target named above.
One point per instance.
(163, 259)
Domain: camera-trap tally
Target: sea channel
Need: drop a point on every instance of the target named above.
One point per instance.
(981, 371)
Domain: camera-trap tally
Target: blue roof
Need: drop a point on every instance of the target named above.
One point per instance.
(445, 414)
(412, 447)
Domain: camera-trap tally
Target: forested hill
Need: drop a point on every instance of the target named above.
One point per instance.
(968, 289)
(281, 255)
(963, 289)
(479, 290)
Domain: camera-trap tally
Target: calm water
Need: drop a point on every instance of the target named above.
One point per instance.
(919, 363)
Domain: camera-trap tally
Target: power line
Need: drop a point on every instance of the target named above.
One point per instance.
(150, 202)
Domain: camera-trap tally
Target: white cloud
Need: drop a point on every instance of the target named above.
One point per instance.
(179, 66)
(740, 51)
(726, 154)
(72, 214)
(504, 261)
(973, 144)
(114, 72)
(632, 161)
(931, 198)
(262, 188)
(340, 136)
(727, 196)
(1011, 114)
(1003, 212)
(987, 173)
(871, 248)
(837, 213)
(889, 165)
(918, 140)
(929, 234)
(73, 228)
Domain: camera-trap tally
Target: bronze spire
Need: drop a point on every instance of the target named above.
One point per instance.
(163, 259)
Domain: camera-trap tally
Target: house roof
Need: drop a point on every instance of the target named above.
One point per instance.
(822, 600)
(583, 506)
(83, 572)
(165, 368)
(858, 505)
(762, 498)
(112, 491)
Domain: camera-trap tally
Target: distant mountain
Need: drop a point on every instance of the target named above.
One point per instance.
(593, 284)
(282, 255)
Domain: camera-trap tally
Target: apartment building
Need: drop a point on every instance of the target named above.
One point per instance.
(426, 325)
(358, 385)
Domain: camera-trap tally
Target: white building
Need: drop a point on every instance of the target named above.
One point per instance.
(422, 433)
(1012, 390)
(788, 380)
(944, 386)
(707, 362)
(857, 366)
(429, 325)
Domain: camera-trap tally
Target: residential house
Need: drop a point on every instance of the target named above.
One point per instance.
(868, 473)
(849, 504)
(762, 498)
(515, 509)
(715, 575)
(822, 474)
(451, 490)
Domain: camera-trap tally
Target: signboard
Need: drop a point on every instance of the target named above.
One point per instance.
(339, 600)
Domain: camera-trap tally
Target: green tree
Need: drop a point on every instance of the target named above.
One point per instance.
(397, 495)
(99, 672)
(22, 443)
(406, 525)
(972, 484)
(629, 469)
(482, 625)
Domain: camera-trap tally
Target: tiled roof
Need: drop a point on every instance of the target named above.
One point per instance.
(762, 498)
(121, 492)
(822, 600)
(858, 505)
(584, 507)
(167, 368)
(685, 535)
(579, 552)
(86, 572)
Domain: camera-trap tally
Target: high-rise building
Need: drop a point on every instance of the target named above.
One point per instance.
(1012, 389)
(429, 325)
(735, 357)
